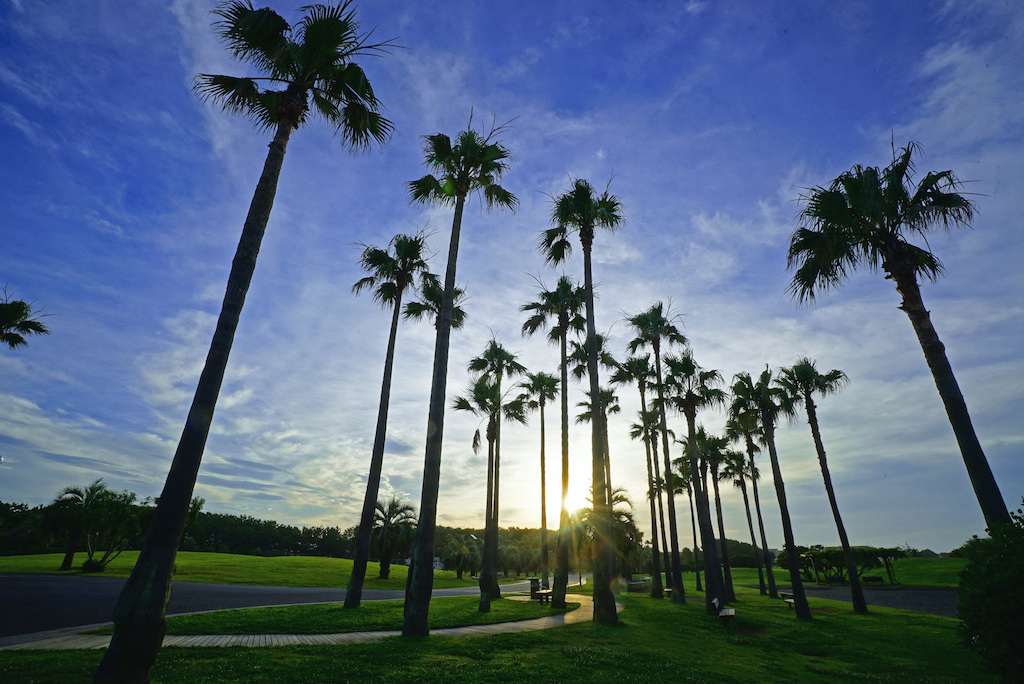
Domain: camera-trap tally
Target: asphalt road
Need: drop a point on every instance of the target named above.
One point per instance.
(37, 603)
(934, 601)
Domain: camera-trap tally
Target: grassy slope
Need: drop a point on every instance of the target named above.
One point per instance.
(658, 641)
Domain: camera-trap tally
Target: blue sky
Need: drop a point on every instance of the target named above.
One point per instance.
(124, 196)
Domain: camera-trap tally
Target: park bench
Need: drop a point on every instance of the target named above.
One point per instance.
(544, 595)
(871, 580)
(724, 614)
(787, 596)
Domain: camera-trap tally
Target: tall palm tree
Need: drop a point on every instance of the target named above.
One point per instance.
(582, 210)
(690, 388)
(578, 360)
(637, 369)
(538, 389)
(495, 363)
(654, 327)
(802, 380)
(394, 527)
(712, 454)
(560, 309)
(743, 424)
(309, 72)
(392, 271)
(771, 402)
(684, 481)
(866, 218)
(17, 319)
(475, 163)
(430, 301)
(737, 470)
(609, 404)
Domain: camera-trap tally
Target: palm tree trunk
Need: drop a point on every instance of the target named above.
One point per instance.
(139, 625)
(562, 541)
(543, 505)
(772, 591)
(354, 592)
(603, 554)
(696, 544)
(494, 589)
(713, 584)
(69, 553)
(421, 584)
(678, 591)
(856, 591)
(661, 515)
(803, 611)
(657, 588)
(730, 592)
(758, 554)
(487, 570)
(985, 487)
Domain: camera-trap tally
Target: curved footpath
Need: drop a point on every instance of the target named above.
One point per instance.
(80, 641)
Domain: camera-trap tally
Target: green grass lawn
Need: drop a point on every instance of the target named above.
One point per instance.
(658, 641)
(333, 618)
(227, 568)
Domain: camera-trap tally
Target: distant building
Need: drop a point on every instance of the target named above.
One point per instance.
(437, 562)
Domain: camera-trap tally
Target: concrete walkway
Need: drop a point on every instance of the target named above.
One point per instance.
(76, 640)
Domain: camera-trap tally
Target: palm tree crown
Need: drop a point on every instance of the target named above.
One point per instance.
(16, 321)
(581, 210)
(308, 68)
(393, 269)
(475, 162)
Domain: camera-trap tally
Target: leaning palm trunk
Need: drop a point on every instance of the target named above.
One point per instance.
(758, 553)
(139, 624)
(421, 583)
(772, 591)
(803, 611)
(354, 592)
(603, 553)
(730, 592)
(985, 488)
(856, 592)
(562, 541)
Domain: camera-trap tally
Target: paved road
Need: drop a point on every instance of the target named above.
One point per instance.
(36, 603)
(933, 601)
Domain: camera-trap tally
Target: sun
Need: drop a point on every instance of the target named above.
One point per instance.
(579, 494)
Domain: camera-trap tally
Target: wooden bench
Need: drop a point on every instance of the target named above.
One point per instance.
(787, 596)
(726, 614)
(544, 595)
(871, 580)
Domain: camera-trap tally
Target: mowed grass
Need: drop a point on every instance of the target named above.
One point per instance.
(658, 641)
(227, 568)
(333, 618)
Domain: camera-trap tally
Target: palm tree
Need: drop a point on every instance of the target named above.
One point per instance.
(538, 389)
(394, 527)
(429, 303)
(683, 479)
(582, 210)
(392, 271)
(461, 555)
(309, 72)
(74, 511)
(711, 451)
(637, 369)
(578, 358)
(802, 380)
(495, 363)
(690, 388)
(475, 163)
(560, 308)
(652, 328)
(771, 402)
(865, 218)
(16, 321)
(743, 424)
(737, 469)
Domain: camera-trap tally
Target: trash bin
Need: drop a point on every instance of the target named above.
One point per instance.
(534, 587)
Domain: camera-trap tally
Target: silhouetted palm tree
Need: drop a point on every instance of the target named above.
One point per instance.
(737, 470)
(392, 271)
(430, 301)
(865, 218)
(802, 380)
(560, 309)
(538, 389)
(309, 72)
(771, 402)
(17, 319)
(394, 527)
(475, 163)
(652, 328)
